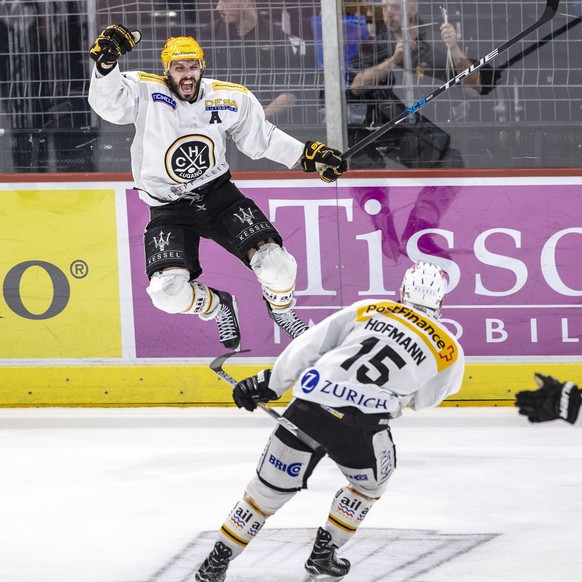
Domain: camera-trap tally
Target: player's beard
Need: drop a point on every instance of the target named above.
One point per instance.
(175, 88)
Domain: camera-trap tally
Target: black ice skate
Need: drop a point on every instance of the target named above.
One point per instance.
(289, 322)
(323, 563)
(213, 569)
(227, 321)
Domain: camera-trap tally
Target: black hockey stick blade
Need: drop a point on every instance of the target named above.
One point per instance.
(216, 366)
(218, 362)
(548, 14)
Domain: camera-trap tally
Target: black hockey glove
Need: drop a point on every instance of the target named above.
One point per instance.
(326, 161)
(114, 41)
(552, 400)
(249, 392)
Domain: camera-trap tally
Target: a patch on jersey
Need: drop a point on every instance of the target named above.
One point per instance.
(309, 381)
(214, 117)
(374, 399)
(220, 86)
(367, 398)
(220, 105)
(149, 77)
(436, 337)
(189, 157)
(160, 97)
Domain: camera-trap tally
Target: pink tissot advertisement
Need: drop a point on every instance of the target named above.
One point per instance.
(513, 253)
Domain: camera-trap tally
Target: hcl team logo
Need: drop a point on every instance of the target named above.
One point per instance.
(309, 380)
(189, 157)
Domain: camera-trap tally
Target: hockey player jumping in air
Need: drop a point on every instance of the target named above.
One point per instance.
(182, 120)
(352, 373)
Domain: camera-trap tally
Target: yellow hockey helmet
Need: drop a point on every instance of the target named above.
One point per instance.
(181, 48)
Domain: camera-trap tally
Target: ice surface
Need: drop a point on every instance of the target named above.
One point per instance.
(135, 495)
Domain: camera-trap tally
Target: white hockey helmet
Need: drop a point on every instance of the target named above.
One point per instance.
(423, 288)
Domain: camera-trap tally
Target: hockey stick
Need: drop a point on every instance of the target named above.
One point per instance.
(496, 76)
(549, 13)
(216, 366)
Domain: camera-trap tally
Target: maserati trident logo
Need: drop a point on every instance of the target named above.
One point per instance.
(245, 216)
(160, 242)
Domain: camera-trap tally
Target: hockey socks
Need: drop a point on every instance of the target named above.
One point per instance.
(242, 524)
(348, 510)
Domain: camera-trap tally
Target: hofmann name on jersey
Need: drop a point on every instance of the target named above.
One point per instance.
(437, 338)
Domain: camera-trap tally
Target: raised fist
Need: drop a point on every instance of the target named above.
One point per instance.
(114, 41)
(327, 162)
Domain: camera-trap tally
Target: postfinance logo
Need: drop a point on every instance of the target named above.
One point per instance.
(220, 86)
(59, 280)
(392, 317)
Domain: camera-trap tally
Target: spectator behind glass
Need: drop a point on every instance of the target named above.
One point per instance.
(419, 143)
(42, 89)
(246, 48)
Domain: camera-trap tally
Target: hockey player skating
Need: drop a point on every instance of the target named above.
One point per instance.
(551, 401)
(182, 121)
(352, 373)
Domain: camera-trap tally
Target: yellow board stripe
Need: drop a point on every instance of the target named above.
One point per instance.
(145, 385)
(484, 384)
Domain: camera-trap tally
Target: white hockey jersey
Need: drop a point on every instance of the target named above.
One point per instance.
(179, 146)
(376, 355)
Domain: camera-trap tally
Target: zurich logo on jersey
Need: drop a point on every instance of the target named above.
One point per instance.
(309, 380)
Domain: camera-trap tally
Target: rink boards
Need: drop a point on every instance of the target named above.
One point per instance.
(79, 328)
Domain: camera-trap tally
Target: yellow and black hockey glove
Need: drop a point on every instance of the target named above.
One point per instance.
(327, 162)
(114, 41)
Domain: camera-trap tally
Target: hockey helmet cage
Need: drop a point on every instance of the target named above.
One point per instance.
(423, 288)
(181, 48)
